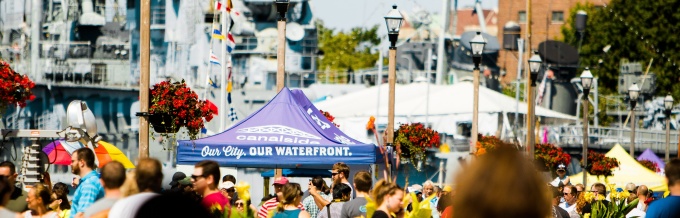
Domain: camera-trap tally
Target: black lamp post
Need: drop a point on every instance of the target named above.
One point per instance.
(393, 20)
(586, 82)
(534, 67)
(668, 105)
(633, 93)
(477, 44)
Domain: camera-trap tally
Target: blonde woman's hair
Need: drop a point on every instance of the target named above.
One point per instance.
(383, 188)
(129, 187)
(43, 192)
(503, 183)
(289, 193)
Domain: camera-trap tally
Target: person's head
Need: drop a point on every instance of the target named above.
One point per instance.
(630, 187)
(9, 170)
(444, 201)
(112, 175)
(178, 176)
(241, 205)
(340, 172)
(570, 194)
(227, 189)
(580, 188)
(446, 190)
(229, 178)
(363, 181)
(388, 194)
(38, 197)
(598, 189)
(318, 182)
(6, 189)
(561, 170)
(428, 188)
(59, 198)
(82, 160)
(291, 194)
(149, 175)
(555, 194)
(642, 192)
(673, 172)
(206, 176)
(342, 191)
(278, 185)
(504, 183)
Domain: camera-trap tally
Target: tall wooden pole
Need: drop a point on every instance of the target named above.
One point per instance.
(391, 79)
(145, 40)
(529, 89)
(281, 55)
(475, 109)
(585, 139)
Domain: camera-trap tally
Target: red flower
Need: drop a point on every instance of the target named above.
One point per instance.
(15, 89)
(414, 139)
(182, 103)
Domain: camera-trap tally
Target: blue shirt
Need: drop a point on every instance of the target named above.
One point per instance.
(665, 207)
(89, 190)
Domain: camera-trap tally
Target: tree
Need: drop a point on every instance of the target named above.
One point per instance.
(347, 51)
(636, 31)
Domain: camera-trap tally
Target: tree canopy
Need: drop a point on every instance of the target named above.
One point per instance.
(347, 50)
(635, 31)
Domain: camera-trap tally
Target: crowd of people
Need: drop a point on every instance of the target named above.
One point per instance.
(498, 184)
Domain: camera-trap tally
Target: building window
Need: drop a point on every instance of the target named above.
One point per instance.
(522, 16)
(558, 17)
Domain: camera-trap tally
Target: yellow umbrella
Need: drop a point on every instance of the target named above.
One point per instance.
(107, 152)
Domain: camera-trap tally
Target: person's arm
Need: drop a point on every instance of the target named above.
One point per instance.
(262, 212)
(318, 199)
(566, 181)
(304, 214)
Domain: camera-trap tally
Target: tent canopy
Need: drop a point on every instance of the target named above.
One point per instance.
(282, 134)
(299, 173)
(629, 170)
(650, 156)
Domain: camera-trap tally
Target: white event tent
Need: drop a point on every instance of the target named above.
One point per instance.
(448, 105)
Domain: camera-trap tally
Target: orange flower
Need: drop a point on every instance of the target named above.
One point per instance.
(481, 151)
(371, 123)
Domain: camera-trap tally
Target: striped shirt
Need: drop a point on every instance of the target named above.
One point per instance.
(271, 204)
(89, 191)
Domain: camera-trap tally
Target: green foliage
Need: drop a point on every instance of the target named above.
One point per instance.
(510, 91)
(636, 31)
(347, 50)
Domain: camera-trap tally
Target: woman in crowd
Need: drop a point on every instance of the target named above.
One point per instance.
(6, 190)
(38, 201)
(244, 208)
(388, 196)
(503, 183)
(288, 206)
(60, 202)
(341, 194)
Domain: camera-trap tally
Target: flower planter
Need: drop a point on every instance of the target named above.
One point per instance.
(162, 123)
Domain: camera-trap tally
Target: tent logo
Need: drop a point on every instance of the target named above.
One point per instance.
(322, 124)
(266, 134)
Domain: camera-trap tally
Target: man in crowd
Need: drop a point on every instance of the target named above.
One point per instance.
(148, 177)
(570, 197)
(17, 199)
(227, 189)
(112, 177)
(273, 202)
(206, 179)
(89, 188)
(639, 210)
(339, 173)
(668, 206)
(176, 178)
(556, 196)
(232, 179)
(357, 206)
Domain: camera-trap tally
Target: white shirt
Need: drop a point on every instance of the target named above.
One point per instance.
(568, 208)
(128, 207)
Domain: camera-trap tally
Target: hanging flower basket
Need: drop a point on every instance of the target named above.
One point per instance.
(15, 89)
(174, 105)
(486, 144)
(601, 165)
(551, 156)
(413, 139)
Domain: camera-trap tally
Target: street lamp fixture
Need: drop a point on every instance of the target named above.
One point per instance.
(668, 105)
(586, 82)
(282, 8)
(393, 20)
(535, 66)
(633, 94)
(477, 44)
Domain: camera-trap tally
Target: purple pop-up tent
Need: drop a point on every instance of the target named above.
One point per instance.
(283, 134)
(650, 156)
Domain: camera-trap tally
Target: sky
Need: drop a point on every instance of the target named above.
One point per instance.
(346, 14)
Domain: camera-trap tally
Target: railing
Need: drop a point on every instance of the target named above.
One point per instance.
(604, 137)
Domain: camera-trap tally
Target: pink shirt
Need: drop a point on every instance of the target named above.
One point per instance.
(215, 198)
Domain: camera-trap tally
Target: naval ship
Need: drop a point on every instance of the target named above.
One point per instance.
(89, 50)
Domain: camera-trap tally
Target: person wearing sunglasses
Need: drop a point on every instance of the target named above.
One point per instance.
(561, 177)
(570, 195)
(244, 207)
(227, 189)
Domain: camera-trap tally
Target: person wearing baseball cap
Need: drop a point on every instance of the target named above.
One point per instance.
(178, 176)
(562, 178)
(227, 189)
(272, 203)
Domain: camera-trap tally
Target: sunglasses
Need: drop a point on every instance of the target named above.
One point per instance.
(566, 193)
(333, 174)
(631, 191)
(231, 190)
(239, 204)
(195, 177)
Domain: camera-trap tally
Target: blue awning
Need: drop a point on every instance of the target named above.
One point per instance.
(299, 173)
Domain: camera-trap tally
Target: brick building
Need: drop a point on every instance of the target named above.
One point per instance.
(547, 17)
